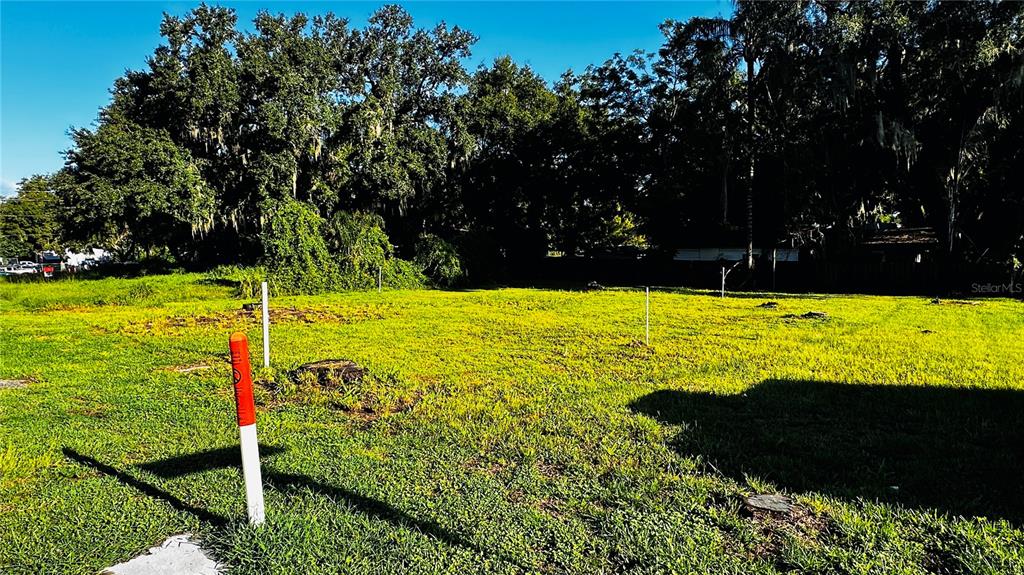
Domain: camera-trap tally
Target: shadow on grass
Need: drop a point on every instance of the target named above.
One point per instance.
(285, 482)
(146, 488)
(959, 451)
(204, 461)
(183, 465)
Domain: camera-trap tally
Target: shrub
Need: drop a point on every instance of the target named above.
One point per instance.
(245, 280)
(364, 250)
(362, 247)
(439, 260)
(296, 254)
(135, 294)
(403, 274)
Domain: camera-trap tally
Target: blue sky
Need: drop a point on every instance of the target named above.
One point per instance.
(59, 59)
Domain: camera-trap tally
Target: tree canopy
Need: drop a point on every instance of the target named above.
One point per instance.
(805, 121)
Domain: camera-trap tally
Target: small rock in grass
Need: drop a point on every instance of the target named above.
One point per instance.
(768, 502)
(594, 286)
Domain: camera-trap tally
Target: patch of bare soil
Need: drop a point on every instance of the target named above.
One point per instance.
(188, 368)
(243, 317)
(16, 383)
(809, 315)
(329, 373)
(778, 517)
(371, 408)
(769, 305)
(487, 466)
(550, 470)
(938, 301)
(550, 506)
(342, 385)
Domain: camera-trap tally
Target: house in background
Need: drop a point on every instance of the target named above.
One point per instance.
(901, 245)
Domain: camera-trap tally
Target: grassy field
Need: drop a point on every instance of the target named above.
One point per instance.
(510, 431)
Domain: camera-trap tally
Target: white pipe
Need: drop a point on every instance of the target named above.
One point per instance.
(251, 472)
(723, 281)
(266, 326)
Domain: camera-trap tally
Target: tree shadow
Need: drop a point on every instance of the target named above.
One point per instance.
(955, 450)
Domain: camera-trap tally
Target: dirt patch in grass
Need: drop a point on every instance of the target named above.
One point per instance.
(370, 408)
(242, 317)
(343, 386)
(489, 467)
(550, 470)
(818, 315)
(938, 301)
(93, 411)
(188, 368)
(87, 407)
(779, 519)
(329, 373)
(17, 382)
(550, 506)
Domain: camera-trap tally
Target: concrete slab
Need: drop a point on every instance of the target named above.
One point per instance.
(179, 555)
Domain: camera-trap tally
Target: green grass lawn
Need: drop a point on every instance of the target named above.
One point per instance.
(510, 431)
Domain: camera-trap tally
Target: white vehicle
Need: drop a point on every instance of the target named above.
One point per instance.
(19, 270)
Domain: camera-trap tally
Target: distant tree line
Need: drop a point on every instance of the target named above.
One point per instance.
(806, 121)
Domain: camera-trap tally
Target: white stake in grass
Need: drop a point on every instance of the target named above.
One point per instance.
(246, 409)
(266, 326)
(647, 316)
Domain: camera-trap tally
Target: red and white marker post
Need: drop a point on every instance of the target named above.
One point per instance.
(242, 375)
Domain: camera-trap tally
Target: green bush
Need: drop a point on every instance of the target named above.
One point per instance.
(135, 295)
(403, 274)
(439, 260)
(296, 254)
(364, 251)
(362, 247)
(245, 280)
